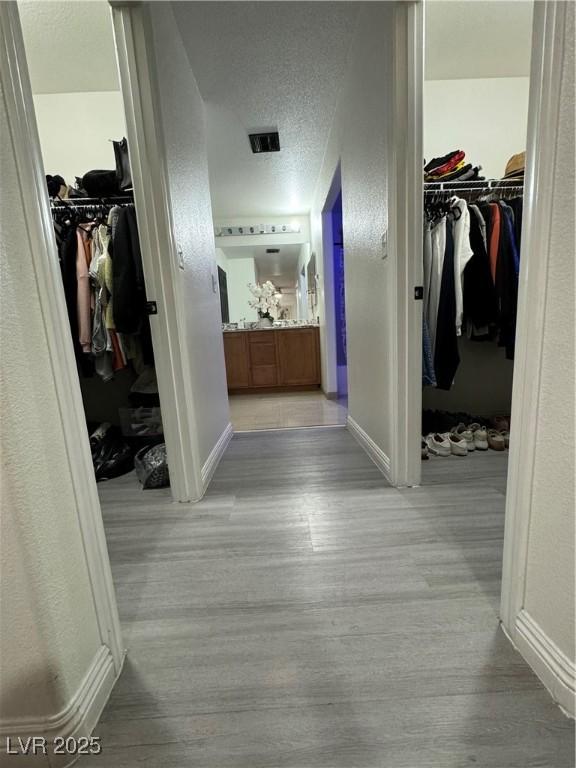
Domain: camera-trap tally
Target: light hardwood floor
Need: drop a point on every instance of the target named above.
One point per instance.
(285, 410)
(305, 614)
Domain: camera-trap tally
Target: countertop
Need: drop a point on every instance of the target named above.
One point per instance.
(270, 328)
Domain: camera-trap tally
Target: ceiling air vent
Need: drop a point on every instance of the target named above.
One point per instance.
(264, 142)
(272, 250)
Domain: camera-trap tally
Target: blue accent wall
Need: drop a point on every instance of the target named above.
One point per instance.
(339, 299)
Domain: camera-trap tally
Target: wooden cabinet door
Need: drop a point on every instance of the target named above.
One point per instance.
(236, 354)
(263, 359)
(298, 356)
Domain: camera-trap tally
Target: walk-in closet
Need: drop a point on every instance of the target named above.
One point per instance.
(89, 184)
(475, 124)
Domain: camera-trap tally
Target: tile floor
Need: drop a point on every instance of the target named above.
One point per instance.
(285, 410)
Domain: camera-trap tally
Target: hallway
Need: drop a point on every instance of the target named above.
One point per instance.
(305, 614)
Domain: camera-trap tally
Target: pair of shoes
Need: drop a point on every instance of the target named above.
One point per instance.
(438, 445)
(446, 444)
(480, 436)
(467, 434)
(496, 440)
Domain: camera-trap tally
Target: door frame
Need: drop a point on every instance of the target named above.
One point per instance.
(330, 379)
(36, 204)
(405, 242)
(556, 672)
(141, 98)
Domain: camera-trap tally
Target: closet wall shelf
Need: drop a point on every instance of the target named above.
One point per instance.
(77, 202)
(473, 186)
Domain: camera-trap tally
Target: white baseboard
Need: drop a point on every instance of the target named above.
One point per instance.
(215, 455)
(77, 719)
(377, 455)
(553, 667)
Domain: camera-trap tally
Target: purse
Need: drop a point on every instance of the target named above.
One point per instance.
(151, 466)
(123, 172)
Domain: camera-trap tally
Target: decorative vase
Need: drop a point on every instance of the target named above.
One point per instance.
(265, 321)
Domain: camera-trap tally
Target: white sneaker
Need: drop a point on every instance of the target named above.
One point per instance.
(480, 435)
(438, 445)
(464, 432)
(458, 444)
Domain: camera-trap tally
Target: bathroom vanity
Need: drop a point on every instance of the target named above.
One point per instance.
(281, 359)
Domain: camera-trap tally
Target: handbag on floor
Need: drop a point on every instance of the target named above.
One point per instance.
(151, 466)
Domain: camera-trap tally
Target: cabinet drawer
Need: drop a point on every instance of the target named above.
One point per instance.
(256, 337)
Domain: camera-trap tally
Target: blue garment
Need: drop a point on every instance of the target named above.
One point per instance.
(509, 218)
(428, 375)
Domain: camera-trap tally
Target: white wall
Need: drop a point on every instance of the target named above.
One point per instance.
(75, 131)
(239, 273)
(487, 118)
(549, 596)
(49, 634)
(359, 138)
(184, 126)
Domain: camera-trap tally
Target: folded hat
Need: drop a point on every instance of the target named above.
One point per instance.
(515, 166)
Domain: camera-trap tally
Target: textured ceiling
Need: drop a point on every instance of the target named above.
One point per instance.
(69, 45)
(476, 38)
(281, 268)
(263, 65)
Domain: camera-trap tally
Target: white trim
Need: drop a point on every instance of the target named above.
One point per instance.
(136, 62)
(553, 667)
(215, 455)
(374, 452)
(79, 717)
(26, 146)
(405, 242)
(544, 103)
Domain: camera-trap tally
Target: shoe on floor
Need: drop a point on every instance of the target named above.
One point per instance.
(480, 435)
(465, 432)
(438, 445)
(458, 445)
(500, 423)
(495, 440)
(424, 450)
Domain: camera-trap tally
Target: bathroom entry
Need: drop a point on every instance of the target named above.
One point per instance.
(272, 336)
(339, 297)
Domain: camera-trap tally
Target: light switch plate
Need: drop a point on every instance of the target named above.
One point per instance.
(214, 285)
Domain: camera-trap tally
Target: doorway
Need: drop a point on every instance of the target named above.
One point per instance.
(269, 296)
(473, 205)
(97, 237)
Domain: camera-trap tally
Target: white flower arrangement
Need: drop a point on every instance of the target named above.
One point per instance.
(265, 299)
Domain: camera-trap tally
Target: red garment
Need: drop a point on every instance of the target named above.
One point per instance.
(118, 360)
(494, 238)
(83, 297)
(448, 166)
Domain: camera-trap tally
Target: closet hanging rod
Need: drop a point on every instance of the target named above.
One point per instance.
(485, 184)
(75, 202)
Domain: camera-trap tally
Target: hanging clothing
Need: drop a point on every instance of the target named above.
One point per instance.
(128, 275)
(462, 255)
(479, 293)
(446, 356)
(428, 374)
(427, 266)
(84, 296)
(438, 237)
(494, 237)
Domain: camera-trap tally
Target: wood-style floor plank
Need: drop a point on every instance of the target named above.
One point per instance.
(306, 614)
